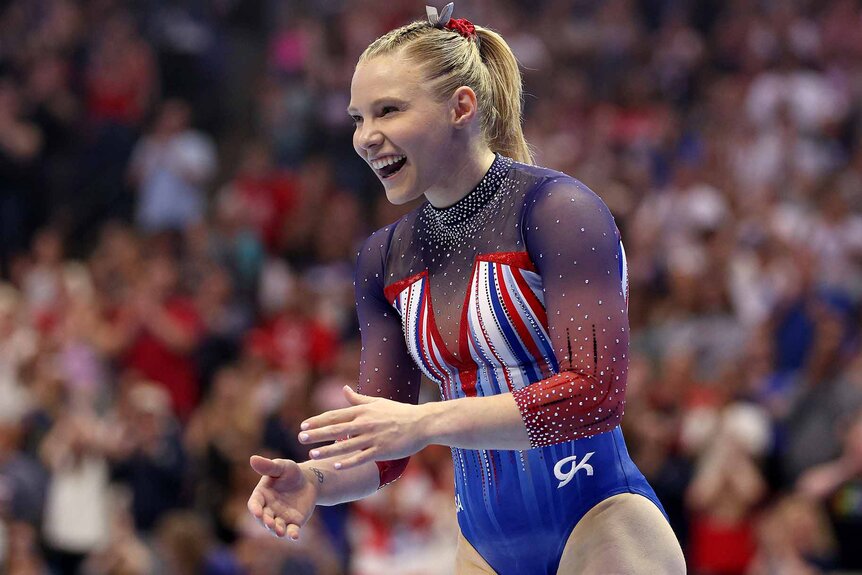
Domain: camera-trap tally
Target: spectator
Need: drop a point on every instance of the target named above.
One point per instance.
(171, 166)
(20, 143)
(839, 483)
(148, 455)
(186, 547)
(18, 347)
(125, 553)
(265, 193)
(793, 538)
(160, 330)
(76, 509)
(724, 492)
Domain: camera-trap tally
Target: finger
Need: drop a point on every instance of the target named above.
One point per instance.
(329, 433)
(285, 470)
(255, 504)
(293, 532)
(268, 518)
(357, 398)
(265, 466)
(341, 447)
(280, 527)
(330, 418)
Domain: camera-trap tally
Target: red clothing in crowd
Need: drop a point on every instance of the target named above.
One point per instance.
(292, 342)
(721, 549)
(155, 360)
(267, 200)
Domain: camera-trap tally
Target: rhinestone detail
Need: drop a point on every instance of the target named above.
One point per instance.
(466, 216)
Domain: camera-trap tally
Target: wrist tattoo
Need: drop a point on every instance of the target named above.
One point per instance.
(317, 473)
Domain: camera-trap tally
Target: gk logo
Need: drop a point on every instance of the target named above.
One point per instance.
(567, 476)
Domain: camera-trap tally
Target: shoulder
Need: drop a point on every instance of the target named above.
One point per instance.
(540, 173)
(557, 194)
(374, 251)
(375, 246)
(378, 243)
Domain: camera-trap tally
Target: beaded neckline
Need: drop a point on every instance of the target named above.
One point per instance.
(472, 203)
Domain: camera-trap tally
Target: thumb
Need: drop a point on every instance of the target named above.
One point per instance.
(269, 467)
(356, 398)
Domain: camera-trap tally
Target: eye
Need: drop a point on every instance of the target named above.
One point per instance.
(356, 119)
(388, 109)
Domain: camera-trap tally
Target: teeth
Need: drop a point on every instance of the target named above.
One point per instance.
(382, 163)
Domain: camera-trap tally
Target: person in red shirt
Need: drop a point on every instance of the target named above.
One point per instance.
(267, 194)
(292, 339)
(161, 329)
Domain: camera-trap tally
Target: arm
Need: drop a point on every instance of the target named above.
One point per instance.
(573, 241)
(341, 487)
(821, 481)
(288, 492)
(575, 245)
(386, 369)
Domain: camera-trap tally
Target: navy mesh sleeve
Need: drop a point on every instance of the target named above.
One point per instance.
(574, 243)
(385, 368)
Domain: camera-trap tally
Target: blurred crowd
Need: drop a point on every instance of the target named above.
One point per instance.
(180, 207)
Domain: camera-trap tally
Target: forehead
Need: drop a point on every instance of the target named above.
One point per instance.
(389, 75)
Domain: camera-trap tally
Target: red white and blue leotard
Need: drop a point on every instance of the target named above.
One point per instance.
(520, 287)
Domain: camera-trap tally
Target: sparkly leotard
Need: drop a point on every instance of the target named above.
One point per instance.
(519, 287)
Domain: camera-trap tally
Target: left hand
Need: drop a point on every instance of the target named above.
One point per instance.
(372, 429)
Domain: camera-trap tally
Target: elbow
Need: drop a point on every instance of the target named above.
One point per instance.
(563, 408)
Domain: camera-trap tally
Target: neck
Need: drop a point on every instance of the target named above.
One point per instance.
(461, 178)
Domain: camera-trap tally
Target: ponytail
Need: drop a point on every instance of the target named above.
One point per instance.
(486, 64)
(506, 97)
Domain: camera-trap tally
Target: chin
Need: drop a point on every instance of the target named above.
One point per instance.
(397, 200)
(399, 197)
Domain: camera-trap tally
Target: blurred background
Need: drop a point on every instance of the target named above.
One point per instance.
(180, 208)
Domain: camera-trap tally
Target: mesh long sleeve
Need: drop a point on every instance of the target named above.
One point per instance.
(385, 368)
(573, 241)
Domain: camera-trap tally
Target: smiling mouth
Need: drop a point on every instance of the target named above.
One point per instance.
(389, 170)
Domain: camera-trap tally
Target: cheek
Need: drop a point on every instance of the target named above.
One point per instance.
(435, 141)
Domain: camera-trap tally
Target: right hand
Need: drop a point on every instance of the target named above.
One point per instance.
(284, 498)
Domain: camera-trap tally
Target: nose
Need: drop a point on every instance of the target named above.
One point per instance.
(368, 136)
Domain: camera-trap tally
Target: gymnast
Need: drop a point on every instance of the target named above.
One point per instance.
(508, 288)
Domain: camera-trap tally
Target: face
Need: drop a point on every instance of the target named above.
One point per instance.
(404, 134)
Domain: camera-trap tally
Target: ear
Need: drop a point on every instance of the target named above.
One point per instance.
(464, 107)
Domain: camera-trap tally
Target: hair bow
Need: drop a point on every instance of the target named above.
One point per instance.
(443, 20)
(440, 20)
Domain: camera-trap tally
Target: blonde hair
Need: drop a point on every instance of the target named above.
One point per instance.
(484, 63)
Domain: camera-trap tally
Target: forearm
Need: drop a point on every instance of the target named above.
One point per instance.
(492, 422)
(745, 480)
(340, 486)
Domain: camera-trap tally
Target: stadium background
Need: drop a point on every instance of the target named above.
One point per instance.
(180, 208)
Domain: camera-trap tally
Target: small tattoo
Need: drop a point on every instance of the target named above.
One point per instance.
(318, 473)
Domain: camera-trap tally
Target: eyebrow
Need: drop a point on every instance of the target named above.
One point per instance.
(386, 99)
